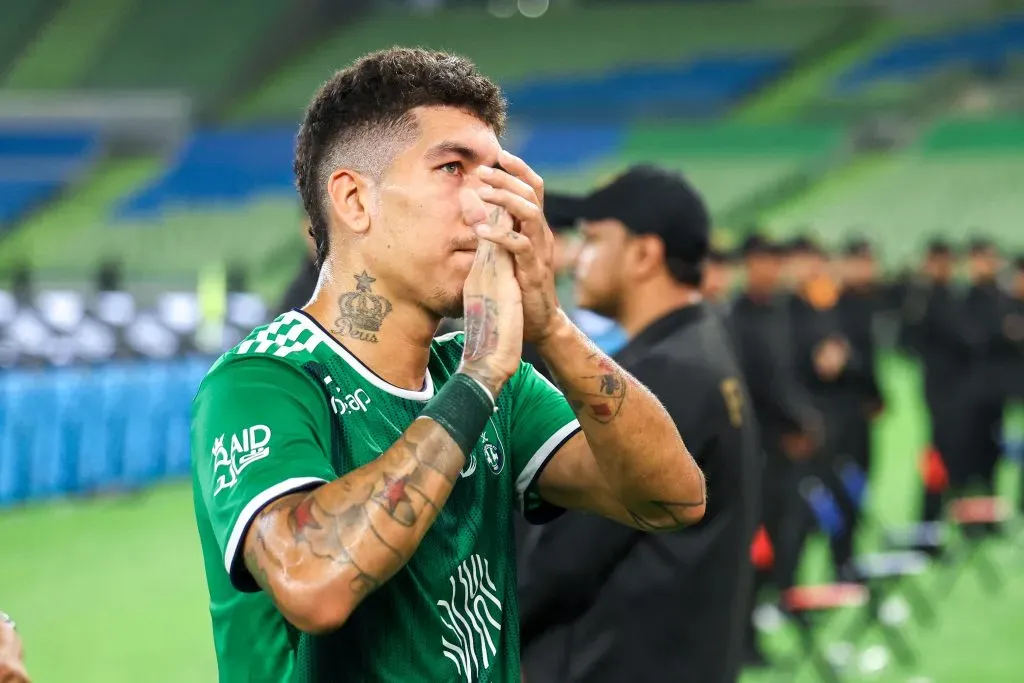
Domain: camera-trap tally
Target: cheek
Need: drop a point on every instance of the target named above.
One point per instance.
(585, 262)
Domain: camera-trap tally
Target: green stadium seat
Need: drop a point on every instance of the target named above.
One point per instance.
(560, 42)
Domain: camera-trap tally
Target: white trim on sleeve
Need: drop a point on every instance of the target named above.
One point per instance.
(255, 505)
(541, 456)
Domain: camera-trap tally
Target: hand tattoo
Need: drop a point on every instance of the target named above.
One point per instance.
(361, 313)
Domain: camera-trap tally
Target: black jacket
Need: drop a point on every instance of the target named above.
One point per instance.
(760, 330)
(602, 602)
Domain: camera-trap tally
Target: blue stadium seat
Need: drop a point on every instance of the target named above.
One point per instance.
(34, 165)
(217, 167)
(983, 47)
(704, 86)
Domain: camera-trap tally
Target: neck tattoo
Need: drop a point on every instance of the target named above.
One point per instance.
(361, 313)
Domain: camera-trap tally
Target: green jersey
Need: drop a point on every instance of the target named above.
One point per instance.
(290, 408)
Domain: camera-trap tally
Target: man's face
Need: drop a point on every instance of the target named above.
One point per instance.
(983, 265)
(419, 246)
(859, 271)
(718, 279)
(763, 271)
(805, 266)
(939, 267)
(601, 267)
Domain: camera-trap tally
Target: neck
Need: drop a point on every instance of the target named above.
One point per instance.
(757, 291)
(645, 305)
(389, 336)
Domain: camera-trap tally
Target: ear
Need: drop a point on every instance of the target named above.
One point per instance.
(349, 194)
(647, 256)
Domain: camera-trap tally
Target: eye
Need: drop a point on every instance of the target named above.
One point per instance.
(451, 168)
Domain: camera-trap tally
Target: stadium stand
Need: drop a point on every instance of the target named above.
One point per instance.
(35, 165)
(68, 45)
(659, 39)
(964, 176)
(985, 48)
(20, 22)
(146, 50)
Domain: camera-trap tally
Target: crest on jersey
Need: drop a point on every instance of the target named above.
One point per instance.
(494, 454)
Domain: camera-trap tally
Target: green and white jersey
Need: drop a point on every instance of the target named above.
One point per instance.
(290, 408)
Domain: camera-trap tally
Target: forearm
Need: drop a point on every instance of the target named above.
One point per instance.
(320, 554)
(634, 441)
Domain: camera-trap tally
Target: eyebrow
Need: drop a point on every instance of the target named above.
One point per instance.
(447, 148)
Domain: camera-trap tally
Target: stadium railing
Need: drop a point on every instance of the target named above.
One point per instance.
(78, 431)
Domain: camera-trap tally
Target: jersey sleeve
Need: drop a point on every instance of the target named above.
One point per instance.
(542, 421)
(260, 430)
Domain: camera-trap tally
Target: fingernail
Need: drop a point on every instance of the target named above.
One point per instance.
(486, 171)
(486, 191)
(482, 229)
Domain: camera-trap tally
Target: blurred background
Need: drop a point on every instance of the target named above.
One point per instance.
(148, 220)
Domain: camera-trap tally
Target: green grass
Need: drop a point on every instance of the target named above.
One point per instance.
(112, 590)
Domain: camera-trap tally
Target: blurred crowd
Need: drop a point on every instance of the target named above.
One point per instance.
(808, 325)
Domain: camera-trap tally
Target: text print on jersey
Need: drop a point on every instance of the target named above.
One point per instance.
(354, 402)
(246, 448)
(472, 616)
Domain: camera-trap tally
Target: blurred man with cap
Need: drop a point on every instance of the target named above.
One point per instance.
(986, 307)
(788, 422)
(934, 330)
(860, 302)
(600, 602)
(719, 276)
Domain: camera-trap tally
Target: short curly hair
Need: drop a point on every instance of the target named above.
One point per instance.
(360, 118)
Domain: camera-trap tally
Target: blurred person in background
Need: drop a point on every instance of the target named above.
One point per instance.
(860, 302)
(829, 367)
(12, 663)
(350, 469)
(788, 422)
(986, 307)
(303, 285)
(936, 333)
(602, 602)
(719, 277)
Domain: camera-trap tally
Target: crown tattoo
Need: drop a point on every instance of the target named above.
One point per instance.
(363, 309)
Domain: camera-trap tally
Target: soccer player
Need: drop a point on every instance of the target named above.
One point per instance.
(354, 477)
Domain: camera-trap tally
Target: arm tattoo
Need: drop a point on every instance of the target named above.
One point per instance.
(366, 521)
(361, 313)
(600, 393)
(661, 515)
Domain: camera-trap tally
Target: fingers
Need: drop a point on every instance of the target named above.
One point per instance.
(519, 168)
(521, 208)
(505, 181)
(509, 240)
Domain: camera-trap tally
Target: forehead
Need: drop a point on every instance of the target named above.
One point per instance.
(607, 227)
(454, 128)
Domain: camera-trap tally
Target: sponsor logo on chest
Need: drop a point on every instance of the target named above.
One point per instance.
(342, 403)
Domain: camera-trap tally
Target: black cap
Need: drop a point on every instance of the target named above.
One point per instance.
(980, 245)
(858, 247)
(939, 247)
(718, 255)
(759, 245)
(649, 201)
(803, 244)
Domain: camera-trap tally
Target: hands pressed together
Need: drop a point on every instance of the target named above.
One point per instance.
(510, 292)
